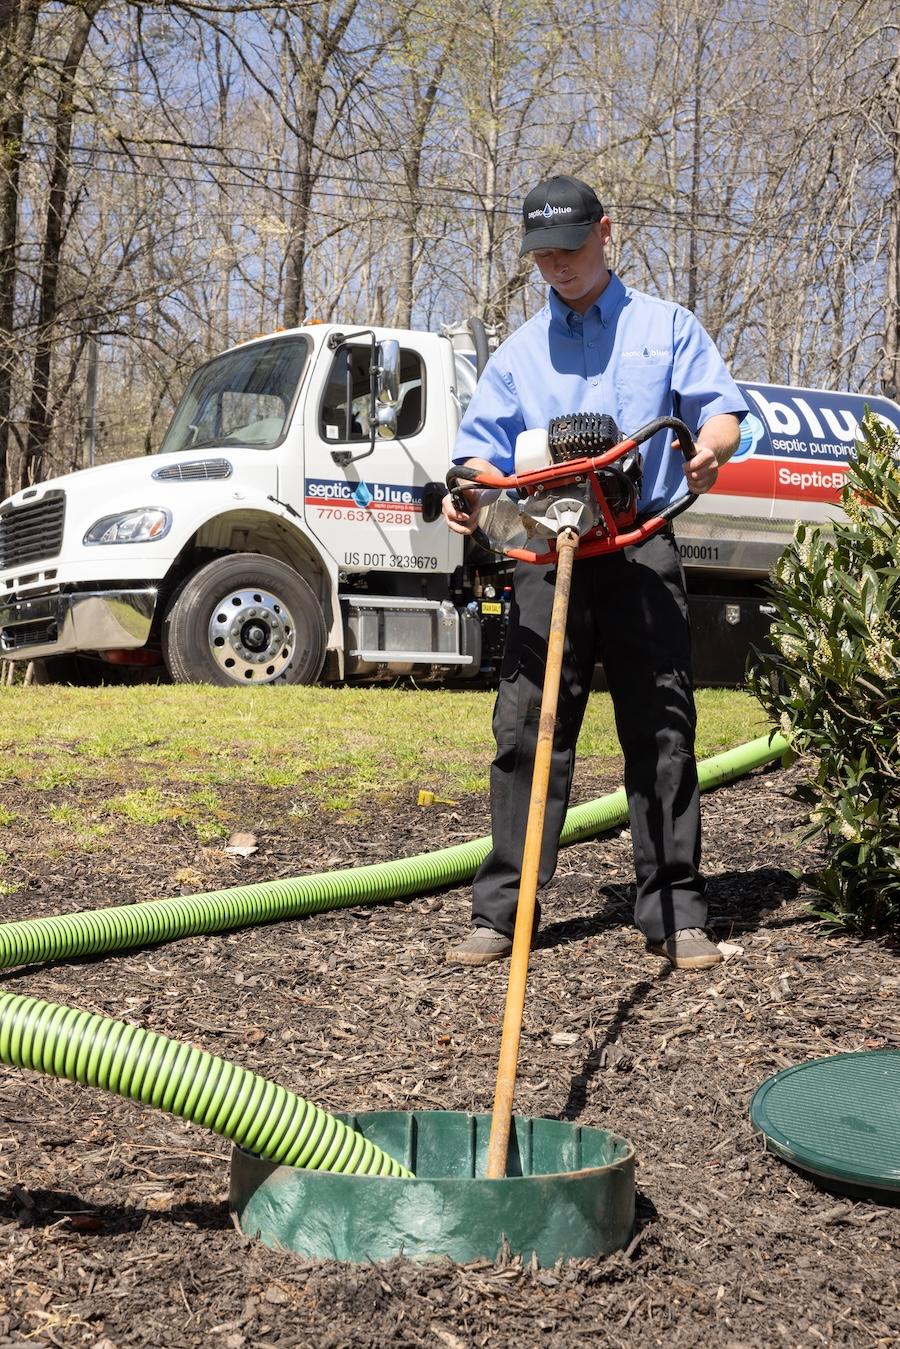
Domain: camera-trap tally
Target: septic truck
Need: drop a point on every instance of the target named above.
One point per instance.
(289, 529)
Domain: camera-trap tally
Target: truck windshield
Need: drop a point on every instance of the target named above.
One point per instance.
(242, 398)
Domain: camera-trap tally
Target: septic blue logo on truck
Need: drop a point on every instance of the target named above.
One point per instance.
(752, 432)
(812, 424)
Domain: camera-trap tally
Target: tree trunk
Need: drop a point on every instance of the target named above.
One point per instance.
(696, 155)
(295, 259)
(890, 380)
(17, 25)
(323, 33)
(486, 308)
(40, 417)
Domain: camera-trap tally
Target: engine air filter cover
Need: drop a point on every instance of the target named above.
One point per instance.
(838, 1118)
(581, 433)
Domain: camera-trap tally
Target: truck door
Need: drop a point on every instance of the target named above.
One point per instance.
(368, 514)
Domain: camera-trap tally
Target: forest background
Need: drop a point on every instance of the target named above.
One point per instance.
(178, 177)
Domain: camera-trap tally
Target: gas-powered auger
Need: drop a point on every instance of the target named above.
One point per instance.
(578, 486)
(578, 474)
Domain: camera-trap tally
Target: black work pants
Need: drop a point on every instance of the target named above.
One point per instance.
(629, 610)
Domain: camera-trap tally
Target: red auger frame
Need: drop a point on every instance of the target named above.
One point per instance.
(610, 533)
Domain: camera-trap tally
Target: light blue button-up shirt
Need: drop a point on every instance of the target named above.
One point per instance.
(631, 355)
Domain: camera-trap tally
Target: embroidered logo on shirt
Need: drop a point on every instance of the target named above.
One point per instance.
(648, 354)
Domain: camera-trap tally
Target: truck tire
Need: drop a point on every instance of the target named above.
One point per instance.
(244, 619)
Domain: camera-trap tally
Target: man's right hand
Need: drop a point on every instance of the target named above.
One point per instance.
(461, 521)
(465, 521)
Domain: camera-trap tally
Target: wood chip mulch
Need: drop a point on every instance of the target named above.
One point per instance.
(114, 1224)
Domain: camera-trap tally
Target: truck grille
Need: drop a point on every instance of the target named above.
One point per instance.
(29, 634)
(200, 470)
(32, 532)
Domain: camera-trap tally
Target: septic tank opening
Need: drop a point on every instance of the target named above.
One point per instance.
(568, 1194)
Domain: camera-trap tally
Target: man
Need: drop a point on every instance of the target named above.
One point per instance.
(598, 346)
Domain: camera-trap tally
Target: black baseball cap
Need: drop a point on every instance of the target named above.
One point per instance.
(559, 213)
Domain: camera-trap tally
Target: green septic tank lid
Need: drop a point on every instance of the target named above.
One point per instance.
(837, 1117)
(568, 1194)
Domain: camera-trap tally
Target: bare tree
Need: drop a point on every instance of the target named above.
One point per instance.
(17, 27)
(890, 379)
(509, 85)
(39, 416)
(420, 57)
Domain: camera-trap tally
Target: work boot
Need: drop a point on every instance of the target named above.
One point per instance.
(482, 946)
(688, 949)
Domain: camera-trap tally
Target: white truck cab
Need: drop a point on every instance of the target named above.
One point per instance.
(289, 526)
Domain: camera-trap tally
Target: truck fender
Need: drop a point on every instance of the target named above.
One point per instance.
(261, 524)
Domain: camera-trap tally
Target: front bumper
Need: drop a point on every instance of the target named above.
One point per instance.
(51, 625)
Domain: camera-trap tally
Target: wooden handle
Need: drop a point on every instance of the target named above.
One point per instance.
(498, 1144)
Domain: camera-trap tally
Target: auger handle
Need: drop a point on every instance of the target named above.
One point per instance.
(460, 473)
(687, 447)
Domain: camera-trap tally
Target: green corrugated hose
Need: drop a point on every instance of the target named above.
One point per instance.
(162, 920)
(257, 1115)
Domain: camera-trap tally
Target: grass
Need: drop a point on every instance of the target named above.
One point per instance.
(162, 752)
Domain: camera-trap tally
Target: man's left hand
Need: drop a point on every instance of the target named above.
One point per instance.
(701, 472)
(715, 444)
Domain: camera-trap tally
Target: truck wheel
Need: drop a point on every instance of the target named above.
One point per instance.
(244, 619)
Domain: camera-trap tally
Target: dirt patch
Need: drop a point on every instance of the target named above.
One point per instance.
(114, 1221)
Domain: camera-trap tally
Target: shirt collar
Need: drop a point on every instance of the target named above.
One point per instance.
(605, 308)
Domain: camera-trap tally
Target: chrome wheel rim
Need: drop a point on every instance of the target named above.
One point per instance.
(252, 636)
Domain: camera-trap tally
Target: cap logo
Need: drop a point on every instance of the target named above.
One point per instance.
(551, 211)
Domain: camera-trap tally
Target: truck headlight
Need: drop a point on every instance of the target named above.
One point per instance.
(140, 526)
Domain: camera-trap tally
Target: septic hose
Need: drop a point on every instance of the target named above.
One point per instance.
(256, 1114)
(162, 920)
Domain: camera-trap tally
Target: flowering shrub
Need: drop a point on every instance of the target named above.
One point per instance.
(833, 684)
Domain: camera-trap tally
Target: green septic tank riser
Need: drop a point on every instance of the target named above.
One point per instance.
(569, 1194)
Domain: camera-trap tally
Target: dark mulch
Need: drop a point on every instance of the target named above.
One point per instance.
(114, 1220)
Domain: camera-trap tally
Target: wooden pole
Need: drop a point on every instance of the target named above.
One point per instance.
(498, 1144)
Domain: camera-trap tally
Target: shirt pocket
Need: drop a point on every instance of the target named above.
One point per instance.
(643, 391)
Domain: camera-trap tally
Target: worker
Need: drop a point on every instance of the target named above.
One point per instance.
(599, 346)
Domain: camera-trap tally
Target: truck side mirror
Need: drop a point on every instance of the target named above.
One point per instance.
(387, 360)
(384, 392)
